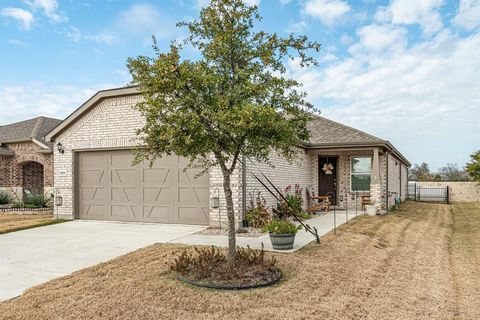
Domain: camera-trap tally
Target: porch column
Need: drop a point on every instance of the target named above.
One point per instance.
(375, 184)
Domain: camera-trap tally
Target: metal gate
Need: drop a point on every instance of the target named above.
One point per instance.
(416, 192)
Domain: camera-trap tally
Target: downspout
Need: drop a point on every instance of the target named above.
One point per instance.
(244, 191)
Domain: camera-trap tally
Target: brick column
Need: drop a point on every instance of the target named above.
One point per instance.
(375, 184)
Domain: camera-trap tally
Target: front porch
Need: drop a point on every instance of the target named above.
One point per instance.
(347, 176)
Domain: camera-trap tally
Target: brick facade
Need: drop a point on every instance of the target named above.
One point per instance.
(112, 124)
(30, 169)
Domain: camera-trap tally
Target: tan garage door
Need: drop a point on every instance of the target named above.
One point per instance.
(110, 188)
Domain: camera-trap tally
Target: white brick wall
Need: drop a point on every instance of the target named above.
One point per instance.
(281, 175)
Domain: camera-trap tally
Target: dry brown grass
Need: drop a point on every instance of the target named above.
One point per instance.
(12, 222)
(420, 262)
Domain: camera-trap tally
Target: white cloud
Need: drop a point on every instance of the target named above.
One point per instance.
(17, 42)
(50, 9)
(380, 37)
(74, 33)
(328, 11)
(20, 102)
(422, 12)
(105, 37)
(296, 26)
(468, 15)
(24, 17)
(145, 19)
(425, 98)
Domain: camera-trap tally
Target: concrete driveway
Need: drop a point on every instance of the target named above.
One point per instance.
(34, 256)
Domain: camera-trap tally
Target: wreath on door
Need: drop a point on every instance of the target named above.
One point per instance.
(327, 168)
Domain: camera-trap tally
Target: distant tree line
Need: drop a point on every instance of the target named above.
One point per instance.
(451, 172)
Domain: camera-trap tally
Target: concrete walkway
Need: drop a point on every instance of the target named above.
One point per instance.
(34, 256)
(324, 224)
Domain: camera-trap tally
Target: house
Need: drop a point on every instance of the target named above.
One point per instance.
(96, 179)
(26, 159)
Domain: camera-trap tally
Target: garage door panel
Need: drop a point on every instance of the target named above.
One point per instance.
(93, 194)
(157, 195)
(128, 194)
(192, 195)
(124, 177)
(157, 176)
(112, 188)
(190, 176)
(161, 214)
(124, 211)
(192, 215)
(93, 212)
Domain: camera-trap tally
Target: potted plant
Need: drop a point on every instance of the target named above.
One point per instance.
(282, 233)
(371, 209)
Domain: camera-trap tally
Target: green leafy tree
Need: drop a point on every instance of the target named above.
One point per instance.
(473, 167)
(234, 100)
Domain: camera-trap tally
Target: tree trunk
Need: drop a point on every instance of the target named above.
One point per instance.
(231, 217)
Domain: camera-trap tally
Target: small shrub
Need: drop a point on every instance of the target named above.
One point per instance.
(36, 201)
(5, 198)
(17, 205)
(210, 265)
(257, 215)
(293, 204)
(281, 227)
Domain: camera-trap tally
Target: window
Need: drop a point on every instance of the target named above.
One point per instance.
(360, 171)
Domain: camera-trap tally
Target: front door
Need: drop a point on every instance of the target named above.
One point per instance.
(327, 178)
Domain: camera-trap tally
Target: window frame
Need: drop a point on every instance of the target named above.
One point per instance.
(360, 173)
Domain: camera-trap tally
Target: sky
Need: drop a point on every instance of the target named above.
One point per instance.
(407, 71)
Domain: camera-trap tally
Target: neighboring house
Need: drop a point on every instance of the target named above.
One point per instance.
(26, 159)
(95, 176)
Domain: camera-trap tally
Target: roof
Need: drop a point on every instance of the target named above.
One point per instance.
(29, 130)
(324, 133)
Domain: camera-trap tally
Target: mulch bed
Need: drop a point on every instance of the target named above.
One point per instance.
(243, 232)
(209, 267)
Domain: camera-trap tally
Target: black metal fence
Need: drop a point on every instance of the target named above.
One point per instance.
(417, 192)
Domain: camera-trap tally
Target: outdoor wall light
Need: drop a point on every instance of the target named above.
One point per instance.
(215, 200)
(60, 148)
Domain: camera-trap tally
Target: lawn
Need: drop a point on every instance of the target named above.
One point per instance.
(10, 222)
(420, 262)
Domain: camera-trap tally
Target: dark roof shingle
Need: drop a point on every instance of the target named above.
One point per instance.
(325, 131)
(26, 130)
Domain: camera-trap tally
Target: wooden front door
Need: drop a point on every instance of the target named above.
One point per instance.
(327, 179)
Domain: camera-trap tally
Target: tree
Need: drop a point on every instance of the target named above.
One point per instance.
(420, 173)
(473, 167)
(234, 100)
(451, 172)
